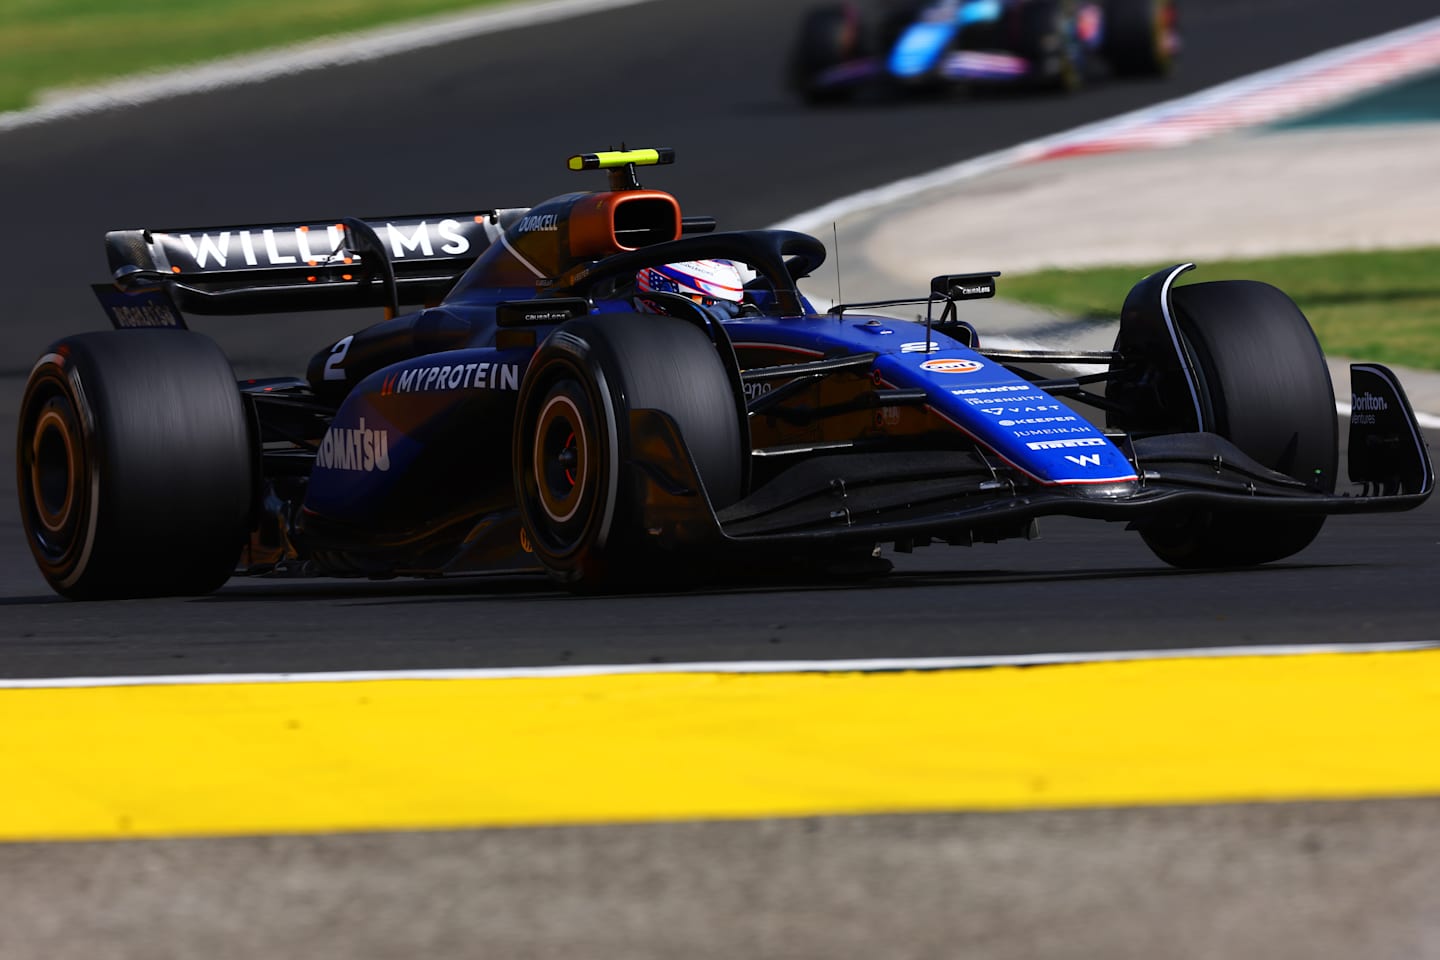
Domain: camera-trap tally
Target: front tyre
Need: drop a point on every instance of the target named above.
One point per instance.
(1265, 387)
(134, 465)
(576, 487)
(569, 485)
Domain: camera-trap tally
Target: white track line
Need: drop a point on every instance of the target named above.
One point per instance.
(1265, 97)
(390, 41)
(301, 58)
(1296, 77)
(872, 665)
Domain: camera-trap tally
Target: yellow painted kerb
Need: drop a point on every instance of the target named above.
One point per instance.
(418, 754)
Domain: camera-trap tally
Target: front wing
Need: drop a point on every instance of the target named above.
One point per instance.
(858, 496)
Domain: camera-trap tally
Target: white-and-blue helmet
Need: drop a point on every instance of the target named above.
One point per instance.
(705, 281)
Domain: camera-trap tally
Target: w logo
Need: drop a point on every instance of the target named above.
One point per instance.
(1084, 459)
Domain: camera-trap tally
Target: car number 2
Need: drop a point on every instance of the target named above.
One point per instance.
(337, 357)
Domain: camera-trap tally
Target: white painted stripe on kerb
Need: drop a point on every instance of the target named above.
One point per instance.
(1199, 103)
(1215, 100)
(871, 665)
(318, 54)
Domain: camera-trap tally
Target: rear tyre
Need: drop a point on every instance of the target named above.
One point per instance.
(134, 465)
(577, 492)
(1140, 38)
(1266, 388)
(828, 36)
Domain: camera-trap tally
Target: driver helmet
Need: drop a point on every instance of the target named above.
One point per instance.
(707, 282)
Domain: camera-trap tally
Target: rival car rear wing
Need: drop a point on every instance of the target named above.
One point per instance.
(268, 268)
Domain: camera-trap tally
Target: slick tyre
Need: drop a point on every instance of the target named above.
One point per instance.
(1140, 37)
(827, 37)
(134, 465)
(576, 487)
(1266, 388)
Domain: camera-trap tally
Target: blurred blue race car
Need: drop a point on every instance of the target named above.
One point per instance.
(910, 45)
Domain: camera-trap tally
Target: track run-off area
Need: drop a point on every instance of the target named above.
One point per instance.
(1129, 737)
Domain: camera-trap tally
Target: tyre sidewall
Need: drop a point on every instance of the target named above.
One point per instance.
(167, 463)
(620, 363)
(60, 541)
(568, 362)
(1264, 386)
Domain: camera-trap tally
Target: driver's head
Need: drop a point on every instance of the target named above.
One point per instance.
(707, 282)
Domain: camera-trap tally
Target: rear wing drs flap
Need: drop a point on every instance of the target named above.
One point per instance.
(271, 268)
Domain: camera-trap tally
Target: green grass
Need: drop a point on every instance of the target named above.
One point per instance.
(47, 44)
(1381, 306)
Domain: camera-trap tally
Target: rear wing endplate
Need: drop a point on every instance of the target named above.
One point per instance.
(270, 268)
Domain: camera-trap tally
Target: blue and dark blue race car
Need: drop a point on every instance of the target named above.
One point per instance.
(909, 45)
(604, 389)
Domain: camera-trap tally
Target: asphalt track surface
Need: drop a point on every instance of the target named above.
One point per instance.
(486, 122)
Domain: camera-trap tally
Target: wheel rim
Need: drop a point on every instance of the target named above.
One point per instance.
(561, 459)
(53, 470)
(52, 474)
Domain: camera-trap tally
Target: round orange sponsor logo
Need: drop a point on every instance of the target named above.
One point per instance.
(951, 365)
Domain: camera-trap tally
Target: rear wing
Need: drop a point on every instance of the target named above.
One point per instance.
(272, 268)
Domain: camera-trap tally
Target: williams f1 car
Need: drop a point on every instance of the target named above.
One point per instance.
(516, 411)
(930, 44)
